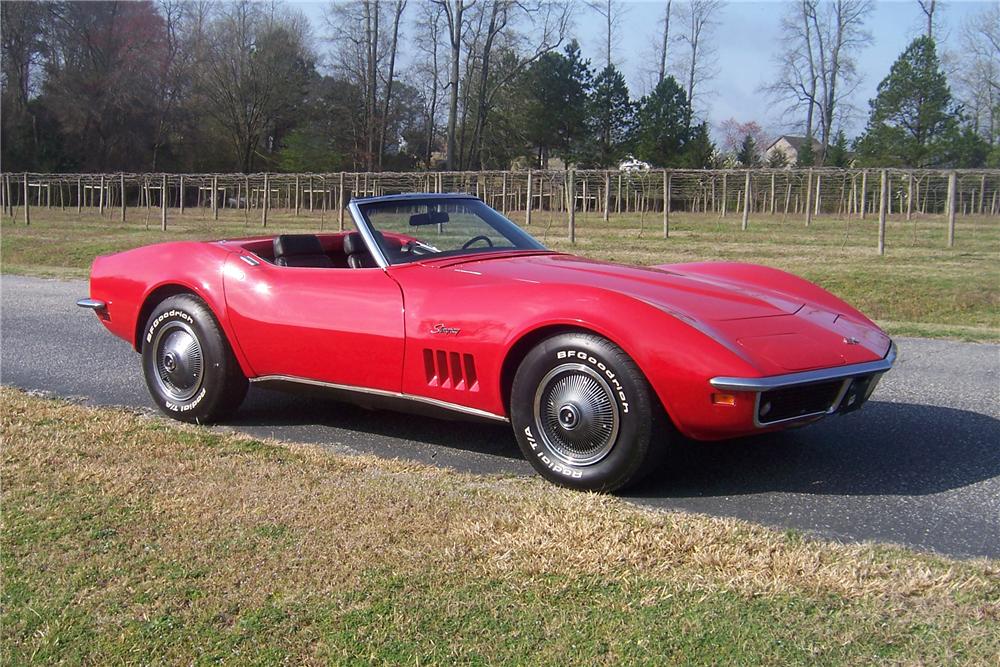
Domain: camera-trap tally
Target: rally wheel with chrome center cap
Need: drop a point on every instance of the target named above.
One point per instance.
(583, 413)
(189, 367)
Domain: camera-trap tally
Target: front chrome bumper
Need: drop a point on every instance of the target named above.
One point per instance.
(863, 377)
(93, 304)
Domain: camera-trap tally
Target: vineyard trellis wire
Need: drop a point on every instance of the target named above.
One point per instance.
(744, 193)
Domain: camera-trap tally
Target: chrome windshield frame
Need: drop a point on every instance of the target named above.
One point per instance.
(365, 229)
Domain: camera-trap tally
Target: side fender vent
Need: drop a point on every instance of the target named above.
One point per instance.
(450, 370)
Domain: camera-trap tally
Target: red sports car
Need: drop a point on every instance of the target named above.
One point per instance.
(438, 303)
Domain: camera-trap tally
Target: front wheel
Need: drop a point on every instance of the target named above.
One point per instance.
(583, 413)
(190, 369)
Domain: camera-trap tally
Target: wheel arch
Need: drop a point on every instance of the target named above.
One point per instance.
(154, 298)
(529, 339)
(166, 290)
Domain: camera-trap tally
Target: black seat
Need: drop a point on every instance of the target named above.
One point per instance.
(357, 253)
(300, 250)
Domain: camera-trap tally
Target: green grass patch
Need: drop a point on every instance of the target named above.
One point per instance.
(128, 540)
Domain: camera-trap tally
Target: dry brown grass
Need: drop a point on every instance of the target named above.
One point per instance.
(133, 501)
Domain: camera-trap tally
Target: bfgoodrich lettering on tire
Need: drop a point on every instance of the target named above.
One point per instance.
(583, 413)
(190, 369)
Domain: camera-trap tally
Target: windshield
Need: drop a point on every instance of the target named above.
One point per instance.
(442, 227)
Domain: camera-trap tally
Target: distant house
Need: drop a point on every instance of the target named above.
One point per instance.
(790, 146)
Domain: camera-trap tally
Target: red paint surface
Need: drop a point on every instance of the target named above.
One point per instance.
(682, 324)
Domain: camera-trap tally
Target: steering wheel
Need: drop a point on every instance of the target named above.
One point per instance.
(481, 237)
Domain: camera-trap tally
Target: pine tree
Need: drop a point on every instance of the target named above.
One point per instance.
(700, 150)
(748, 155)
(912, 119)
(612, 117)
(837, 155)
(664, 131)
(556, 90)
(806, 157)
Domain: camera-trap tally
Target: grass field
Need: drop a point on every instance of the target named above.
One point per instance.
(128, 539)
(920, 287)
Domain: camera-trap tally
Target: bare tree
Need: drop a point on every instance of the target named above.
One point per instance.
(978, 75)
(817, 70)
(397, 13)
(549, 20)
(428, 68)
(251, 74)
(612, 11)
(928, 7)
(22, 45)
(840, 33)
(366, 36)
(698, 19)
(664, 44)
(454, 9)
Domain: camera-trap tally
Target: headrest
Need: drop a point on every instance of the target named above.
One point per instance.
(297, 244)
(354, 243)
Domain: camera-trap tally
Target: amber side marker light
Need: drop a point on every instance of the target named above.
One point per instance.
(724, 399)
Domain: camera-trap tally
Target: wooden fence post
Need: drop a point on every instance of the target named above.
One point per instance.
(297, 190)
(881, 213)
(819, 198)
(772, 193)
(952, 186)
(667, 192)
(909, 196)
(122, 185)
(809, 176)
(265, 201)
(215, 197)
(100, 198)
(607, 194)
(725, 193)
(864, 193)
(746, 202)
(27, 204)
(340, 201)
(163, 203)
(571, 203)
(503, 193)
(527, 210)
(180, 195)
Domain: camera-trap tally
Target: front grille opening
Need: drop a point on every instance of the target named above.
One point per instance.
(792, 402)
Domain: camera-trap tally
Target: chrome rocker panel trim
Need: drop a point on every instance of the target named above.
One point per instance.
(806, 377)
(93, 304)
(390, 396)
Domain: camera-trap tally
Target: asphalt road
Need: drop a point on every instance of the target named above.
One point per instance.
(919, 465)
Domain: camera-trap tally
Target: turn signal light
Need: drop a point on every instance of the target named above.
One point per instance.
(723, 399)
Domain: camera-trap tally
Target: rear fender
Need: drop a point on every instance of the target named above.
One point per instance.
(134, 281)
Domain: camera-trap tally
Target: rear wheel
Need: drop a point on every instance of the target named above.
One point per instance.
(583, 413)
(189, 367)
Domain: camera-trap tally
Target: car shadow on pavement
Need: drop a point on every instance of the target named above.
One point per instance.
(265, 408)
(884, 449)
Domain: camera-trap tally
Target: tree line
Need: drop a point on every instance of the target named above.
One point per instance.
(171, 85)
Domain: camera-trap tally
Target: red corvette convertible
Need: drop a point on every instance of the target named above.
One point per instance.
(439, 303)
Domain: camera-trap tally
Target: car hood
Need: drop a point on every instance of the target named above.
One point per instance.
(775, 329)
(702, 297)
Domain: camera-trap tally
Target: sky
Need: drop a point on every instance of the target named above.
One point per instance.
(747, 38)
